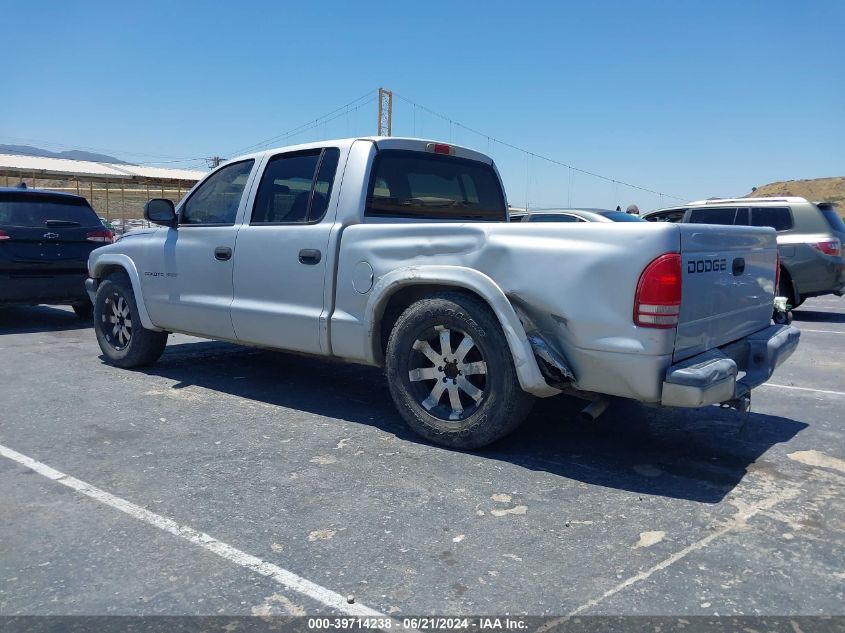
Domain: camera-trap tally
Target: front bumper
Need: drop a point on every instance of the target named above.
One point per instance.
(713, 377)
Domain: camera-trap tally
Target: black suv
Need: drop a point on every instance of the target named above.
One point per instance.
(45, 240)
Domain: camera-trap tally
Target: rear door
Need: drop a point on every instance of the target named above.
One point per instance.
(728, 285)
(280, 260)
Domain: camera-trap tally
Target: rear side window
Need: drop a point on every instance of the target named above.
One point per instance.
(435, 187)
(216, 200)
(34, 210)
(713, 215)
(295, 188)
(779, 218)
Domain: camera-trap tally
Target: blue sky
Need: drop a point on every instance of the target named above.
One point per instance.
(692, 98)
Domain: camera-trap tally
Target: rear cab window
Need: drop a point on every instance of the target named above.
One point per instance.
(408, 184)
(37, 210)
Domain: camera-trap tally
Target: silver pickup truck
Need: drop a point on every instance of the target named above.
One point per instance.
(398, 253)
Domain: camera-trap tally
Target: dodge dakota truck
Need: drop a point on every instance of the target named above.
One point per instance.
(398, 253)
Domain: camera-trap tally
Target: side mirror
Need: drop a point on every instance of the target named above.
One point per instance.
(161, 211)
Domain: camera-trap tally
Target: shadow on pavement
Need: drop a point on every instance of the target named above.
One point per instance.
(816, 316)
(696, 454)
(31, 319)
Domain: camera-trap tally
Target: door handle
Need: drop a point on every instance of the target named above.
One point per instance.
(310, 256)
(222, 253)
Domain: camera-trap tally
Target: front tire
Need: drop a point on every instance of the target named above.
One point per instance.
(451, 373)
(123, 340)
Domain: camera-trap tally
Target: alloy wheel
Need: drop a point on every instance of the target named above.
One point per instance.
(447, 373)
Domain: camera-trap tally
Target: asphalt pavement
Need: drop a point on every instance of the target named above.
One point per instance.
(228, 480)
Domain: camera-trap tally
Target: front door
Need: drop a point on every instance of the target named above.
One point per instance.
(192, 289)
(280, 260)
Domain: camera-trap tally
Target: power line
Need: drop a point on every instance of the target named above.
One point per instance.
(572, 168)
(310, 124)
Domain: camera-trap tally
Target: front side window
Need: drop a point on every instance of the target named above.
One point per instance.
(295, 188)
(779, 218)
(216, 200)
(419, 185)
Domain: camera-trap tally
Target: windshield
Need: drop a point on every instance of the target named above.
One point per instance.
(621, 216)
(34, 210)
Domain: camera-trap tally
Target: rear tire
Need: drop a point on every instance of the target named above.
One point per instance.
(787, 289)
(451, 373)
(123, 340)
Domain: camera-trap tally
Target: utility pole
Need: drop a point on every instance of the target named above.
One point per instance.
(385, 112)
(214, 161)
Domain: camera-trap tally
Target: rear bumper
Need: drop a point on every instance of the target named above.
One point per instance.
(91, 288)
(42, 288)
(713, 377)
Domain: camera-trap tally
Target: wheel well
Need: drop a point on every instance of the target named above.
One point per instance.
(784, 275)
(403, 298)
(110, 269)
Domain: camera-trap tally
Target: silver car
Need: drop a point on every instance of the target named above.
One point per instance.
(810, 237)
(572, 215)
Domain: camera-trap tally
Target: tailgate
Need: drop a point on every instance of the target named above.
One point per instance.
(728, 285)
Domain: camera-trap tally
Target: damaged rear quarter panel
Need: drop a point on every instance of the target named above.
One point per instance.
(572, 283)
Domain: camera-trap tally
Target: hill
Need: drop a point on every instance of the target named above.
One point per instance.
(828, 189)
(74, 154)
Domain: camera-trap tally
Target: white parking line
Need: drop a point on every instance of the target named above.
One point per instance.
(835, 393)
(821, 331)
(284, 577)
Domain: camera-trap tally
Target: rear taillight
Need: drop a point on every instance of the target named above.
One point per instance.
(828, 247)
(4, 236)
(100, 236)
(657, 303)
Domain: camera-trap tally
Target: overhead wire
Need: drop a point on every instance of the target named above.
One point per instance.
(527, 152)
(344, 109)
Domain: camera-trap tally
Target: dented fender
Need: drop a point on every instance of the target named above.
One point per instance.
(530, 377)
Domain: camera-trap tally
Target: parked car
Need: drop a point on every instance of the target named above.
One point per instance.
(396, 252)
(45, 240)
(572, 215)
(810, 236)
